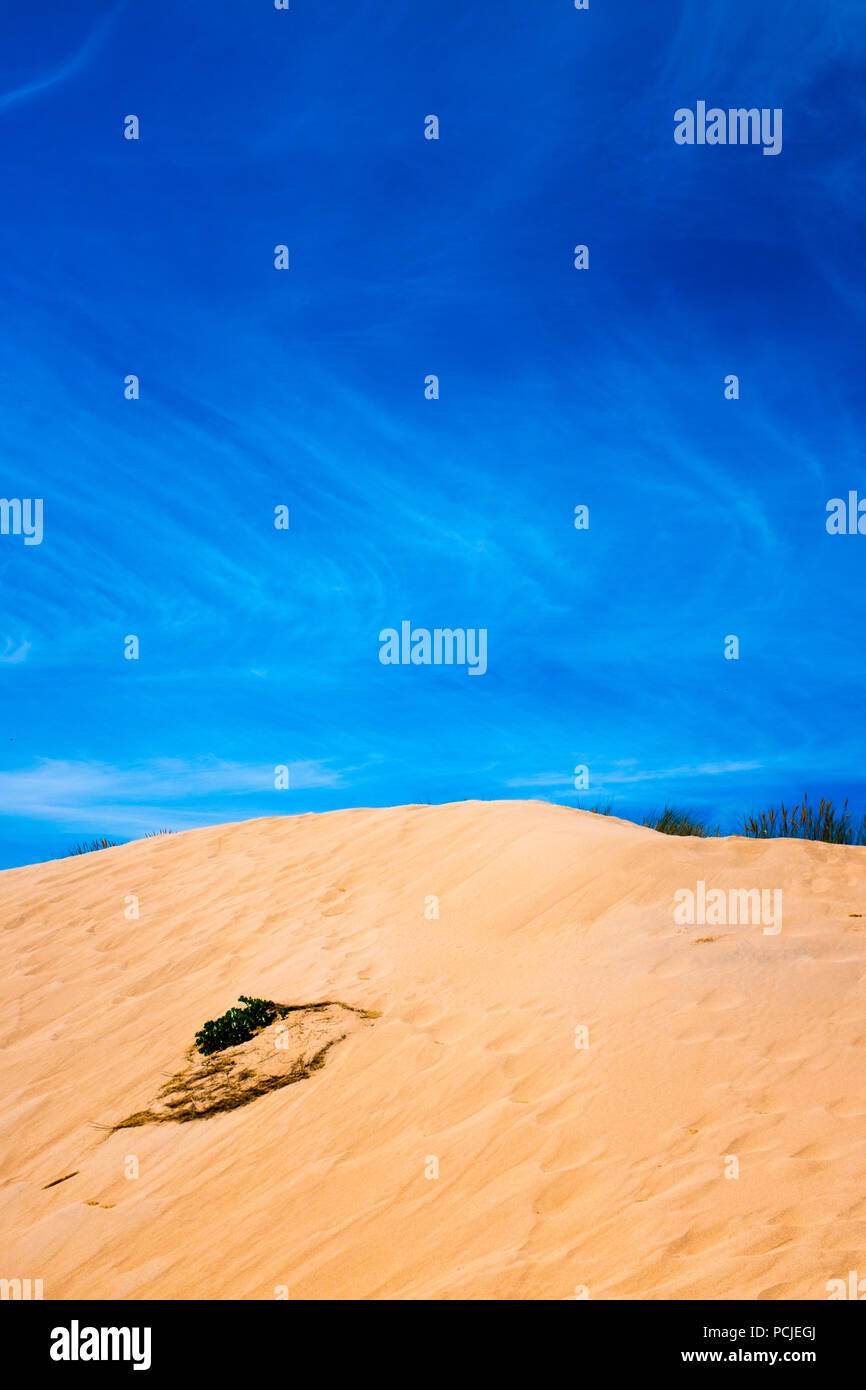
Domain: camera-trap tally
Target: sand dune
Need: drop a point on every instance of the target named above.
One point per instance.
(559, 1166)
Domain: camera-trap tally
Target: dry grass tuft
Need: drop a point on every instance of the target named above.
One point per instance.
(806, 822)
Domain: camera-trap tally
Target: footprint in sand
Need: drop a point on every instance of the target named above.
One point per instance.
(333, 903)
(720, 999)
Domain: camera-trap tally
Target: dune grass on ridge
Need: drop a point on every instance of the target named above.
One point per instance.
(674, 821)
(807, 822)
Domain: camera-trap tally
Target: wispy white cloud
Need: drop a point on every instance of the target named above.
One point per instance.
(718, 769)
(84, 795)
(12, 654)
(541, 779)
(67, 69)
(600, 780)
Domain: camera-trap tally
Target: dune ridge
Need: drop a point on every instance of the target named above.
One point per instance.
(580, 1067)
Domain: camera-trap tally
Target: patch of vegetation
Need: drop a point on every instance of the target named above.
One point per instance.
(86, 846)
(807, 822)
(676, 822)
(152, 834)
(602, 808)
(211, 1084)
(238, 1025)
(189, 1096)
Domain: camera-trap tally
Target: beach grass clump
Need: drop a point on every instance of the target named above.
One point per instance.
(673, 821)
(807, 822)
(238, 1025)
(86, 846)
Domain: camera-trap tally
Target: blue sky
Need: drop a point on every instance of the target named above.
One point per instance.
(306, 388)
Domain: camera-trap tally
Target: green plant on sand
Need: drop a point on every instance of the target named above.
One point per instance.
(238, 1025)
